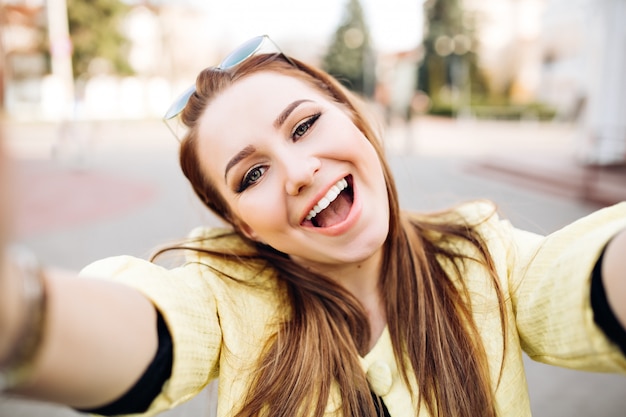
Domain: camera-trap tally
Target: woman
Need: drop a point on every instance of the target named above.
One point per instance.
(323, 297)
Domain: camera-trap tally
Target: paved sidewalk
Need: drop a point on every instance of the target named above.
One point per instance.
(115, 188)
(533, 155)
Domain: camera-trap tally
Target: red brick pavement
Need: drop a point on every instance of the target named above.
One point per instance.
(557, 175)
(51, 197)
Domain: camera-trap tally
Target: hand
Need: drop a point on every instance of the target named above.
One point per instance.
(4, 198)
(22, 296)
(614, 276)
(9, 283)
(10, 286)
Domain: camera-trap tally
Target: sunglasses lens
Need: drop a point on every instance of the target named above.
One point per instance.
(242, 53)
(179, 104)
(177, 127)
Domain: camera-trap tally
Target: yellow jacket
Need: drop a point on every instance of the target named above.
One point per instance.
(219, 326)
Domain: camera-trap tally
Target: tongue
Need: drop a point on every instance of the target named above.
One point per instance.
(335, 213)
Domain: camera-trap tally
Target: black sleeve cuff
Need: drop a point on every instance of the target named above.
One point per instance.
(141, 395)
(602, 313)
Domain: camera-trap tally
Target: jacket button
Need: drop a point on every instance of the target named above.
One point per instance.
(379, 377)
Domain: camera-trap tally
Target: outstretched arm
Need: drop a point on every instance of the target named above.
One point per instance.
(614, 276)
(98, 338)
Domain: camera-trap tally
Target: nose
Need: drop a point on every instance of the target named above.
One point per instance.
(300, 172)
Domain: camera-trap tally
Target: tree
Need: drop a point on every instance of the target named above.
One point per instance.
(95, 32)
(449, 52)
(350, 57)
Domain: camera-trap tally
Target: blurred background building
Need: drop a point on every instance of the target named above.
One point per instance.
(556, 60)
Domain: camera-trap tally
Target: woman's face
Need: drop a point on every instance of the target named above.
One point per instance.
(296, 172)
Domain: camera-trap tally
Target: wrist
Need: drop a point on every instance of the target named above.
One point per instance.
(21, 319)
(614, 276)
(12, 309)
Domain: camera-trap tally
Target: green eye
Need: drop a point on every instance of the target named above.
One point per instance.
(251, 177)
(303, 127)
(301, 130)
(254, 175)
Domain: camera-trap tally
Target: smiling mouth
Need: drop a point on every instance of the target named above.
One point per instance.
(334, 207)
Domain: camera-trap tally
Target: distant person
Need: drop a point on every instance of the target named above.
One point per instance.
(321, 297)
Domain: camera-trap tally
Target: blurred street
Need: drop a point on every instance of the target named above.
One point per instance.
(97, 189)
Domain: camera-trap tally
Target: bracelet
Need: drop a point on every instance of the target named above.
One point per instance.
(18, 365)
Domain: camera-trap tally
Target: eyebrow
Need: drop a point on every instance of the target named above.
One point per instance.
(249, 150)
(287, 111)
(242, 154)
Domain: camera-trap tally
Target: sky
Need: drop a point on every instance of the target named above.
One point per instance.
(395, 25)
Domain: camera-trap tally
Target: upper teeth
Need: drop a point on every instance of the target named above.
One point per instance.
(330, 196)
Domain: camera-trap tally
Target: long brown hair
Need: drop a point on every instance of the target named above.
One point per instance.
(436, 342)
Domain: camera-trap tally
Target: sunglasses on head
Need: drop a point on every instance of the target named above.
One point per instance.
(252, 47)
